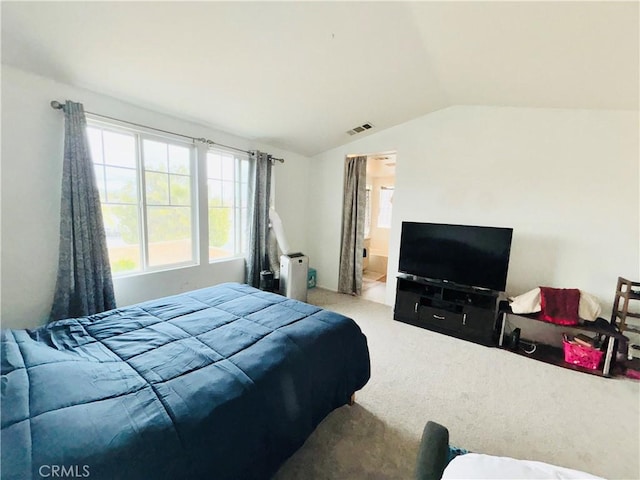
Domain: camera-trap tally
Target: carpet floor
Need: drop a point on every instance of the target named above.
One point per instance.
(492, 401)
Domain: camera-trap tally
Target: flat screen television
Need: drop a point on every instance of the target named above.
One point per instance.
(463, 254)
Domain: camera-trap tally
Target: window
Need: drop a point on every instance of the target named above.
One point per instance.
(367, 212)
(145, 185)
(227, 187)
(384, 209)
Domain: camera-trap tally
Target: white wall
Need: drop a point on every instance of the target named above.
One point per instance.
(32, 146)
(567, 181)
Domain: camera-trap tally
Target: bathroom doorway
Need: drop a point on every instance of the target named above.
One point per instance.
(381, 177)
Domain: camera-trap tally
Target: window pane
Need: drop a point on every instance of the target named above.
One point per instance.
(228, 167)
(121, 185)
(99, 173)
(221, 233)
(119, 149)
(180, 190)
(227, 199)
(214, 188)
(227, 194)
(167, 178)
(95, 144)
(214, 165)
(367, 212)
(169, 231)
(243, 230)
(157, 188)
(179, 160)
(384, 209)
(155, 155)
(123, 238)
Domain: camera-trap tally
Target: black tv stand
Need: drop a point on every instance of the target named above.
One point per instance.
(461, 311)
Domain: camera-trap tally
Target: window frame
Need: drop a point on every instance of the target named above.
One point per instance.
(140, 135)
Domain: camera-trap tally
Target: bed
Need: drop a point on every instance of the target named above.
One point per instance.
(220, 383)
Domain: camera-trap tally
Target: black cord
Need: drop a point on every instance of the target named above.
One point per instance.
(530, 346)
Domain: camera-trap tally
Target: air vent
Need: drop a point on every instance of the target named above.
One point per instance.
(360, 128)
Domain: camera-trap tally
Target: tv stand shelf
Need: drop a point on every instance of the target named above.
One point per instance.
(555, 355)
(457, 310)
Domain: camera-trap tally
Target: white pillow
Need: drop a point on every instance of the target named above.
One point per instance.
(589, 307)
(471, 466)
(529, 302)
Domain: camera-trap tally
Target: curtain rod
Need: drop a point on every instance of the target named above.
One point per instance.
(56, 105)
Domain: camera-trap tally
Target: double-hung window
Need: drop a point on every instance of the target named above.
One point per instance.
(227, 190)
(146, 190)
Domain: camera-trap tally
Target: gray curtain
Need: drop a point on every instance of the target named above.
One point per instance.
(258, 239)
(84, 284)
(353, 211)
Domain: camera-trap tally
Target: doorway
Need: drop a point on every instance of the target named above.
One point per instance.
(381, 177)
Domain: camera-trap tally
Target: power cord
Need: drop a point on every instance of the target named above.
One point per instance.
(531, 345)
(526, 347)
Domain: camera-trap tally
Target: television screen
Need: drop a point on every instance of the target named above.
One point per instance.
(464, 254)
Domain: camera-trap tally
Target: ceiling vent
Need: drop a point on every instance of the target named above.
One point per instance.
(360, 128)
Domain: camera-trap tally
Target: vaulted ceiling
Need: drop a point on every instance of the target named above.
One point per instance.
(299, 75)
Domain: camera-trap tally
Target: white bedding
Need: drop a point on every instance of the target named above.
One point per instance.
(472, 466)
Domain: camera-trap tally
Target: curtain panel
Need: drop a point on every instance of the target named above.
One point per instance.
(84, 285)
(353, 213)
(259, 200)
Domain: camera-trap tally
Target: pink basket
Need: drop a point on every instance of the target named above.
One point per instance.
(582, 356)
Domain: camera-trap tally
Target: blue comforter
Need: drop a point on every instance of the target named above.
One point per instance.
(220, 383)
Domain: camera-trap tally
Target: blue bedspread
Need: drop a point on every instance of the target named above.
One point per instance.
(220, 383)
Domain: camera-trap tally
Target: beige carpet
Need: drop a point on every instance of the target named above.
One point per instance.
(491, 400)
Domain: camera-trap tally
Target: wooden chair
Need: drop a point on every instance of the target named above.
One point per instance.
(625, 291)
